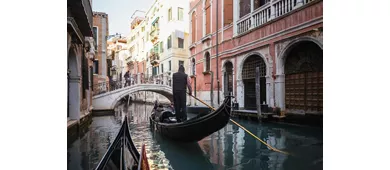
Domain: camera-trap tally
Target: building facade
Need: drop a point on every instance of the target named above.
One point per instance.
(117, 51)
(101, 68)
(158, 42)
(80, 56)
(283, 38)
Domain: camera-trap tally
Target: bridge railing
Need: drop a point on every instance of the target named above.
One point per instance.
(135, 79)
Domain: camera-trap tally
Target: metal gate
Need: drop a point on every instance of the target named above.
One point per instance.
(248, 76)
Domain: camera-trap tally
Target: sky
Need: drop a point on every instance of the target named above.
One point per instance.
(119, 12)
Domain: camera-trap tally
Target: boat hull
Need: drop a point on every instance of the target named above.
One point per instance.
(196, 128)
(122, 153)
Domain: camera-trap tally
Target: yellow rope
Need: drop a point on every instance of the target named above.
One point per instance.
(272, 148)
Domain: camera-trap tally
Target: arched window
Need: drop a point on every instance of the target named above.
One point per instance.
(193, 27)
(193, 66)
(207, 8)
(207, 61)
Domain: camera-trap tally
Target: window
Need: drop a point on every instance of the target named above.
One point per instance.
(170, 66)
(154, 71)
(207, 62)
(259, 3)
(143, 44)
(170, 14)
(96, 66)
(181, 63)
(155, 48)
(180, 14)
(147, 36)
(245, 7)
(161, 47)
(143, 29)
(180, 42)
(162, 68)
(228, 12)
(85, 81)
(109, 65)
(91, 76)
(207, 9)
(169, 43)
(95, 36)
(193, 27)
(193, 66)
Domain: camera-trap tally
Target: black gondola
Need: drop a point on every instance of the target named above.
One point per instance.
(122, 153)
(197, 128)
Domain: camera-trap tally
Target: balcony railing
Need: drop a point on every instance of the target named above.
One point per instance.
(268, 12)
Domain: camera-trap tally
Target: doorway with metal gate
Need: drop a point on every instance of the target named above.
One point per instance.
(248, 77)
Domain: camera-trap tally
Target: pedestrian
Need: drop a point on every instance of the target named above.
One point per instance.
(127, 79)
(180, 82)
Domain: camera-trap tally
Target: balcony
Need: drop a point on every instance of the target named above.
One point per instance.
(154, 59)
(154, 34)
(129, 59)
(270, 11)
(81, 11)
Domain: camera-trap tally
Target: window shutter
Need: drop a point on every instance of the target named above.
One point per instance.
(228, 12)
(207, 7)
(193, 31)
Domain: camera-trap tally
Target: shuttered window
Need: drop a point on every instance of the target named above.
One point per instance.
(193, 26)
(228, 12)
(170, 14)
(180, 15)
(208, 12)
(169, 43)
(161, 47)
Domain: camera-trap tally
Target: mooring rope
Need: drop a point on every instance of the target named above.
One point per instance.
(242, 127)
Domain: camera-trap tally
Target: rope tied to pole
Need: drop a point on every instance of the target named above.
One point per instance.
(243, 128)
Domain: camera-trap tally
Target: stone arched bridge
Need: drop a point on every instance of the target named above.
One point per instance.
(107, 101)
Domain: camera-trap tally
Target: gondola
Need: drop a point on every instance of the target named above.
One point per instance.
(197, 128)
(122, 153)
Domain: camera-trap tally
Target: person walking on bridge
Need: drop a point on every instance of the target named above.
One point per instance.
(181, 81)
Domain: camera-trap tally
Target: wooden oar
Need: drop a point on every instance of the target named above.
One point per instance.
(242, 127)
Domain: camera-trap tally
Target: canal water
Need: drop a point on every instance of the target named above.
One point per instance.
(231, 148)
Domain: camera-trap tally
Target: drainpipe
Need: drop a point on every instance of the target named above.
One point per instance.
(195, 88)
(217, 55)
(211, 89)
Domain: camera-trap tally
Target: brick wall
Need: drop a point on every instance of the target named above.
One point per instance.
(97, 22)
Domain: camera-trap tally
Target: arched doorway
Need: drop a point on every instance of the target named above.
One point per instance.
(303, 78)
(248, 77)
(228, 78)
(73, 86)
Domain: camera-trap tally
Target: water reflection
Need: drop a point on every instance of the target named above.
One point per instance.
(229, 148)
